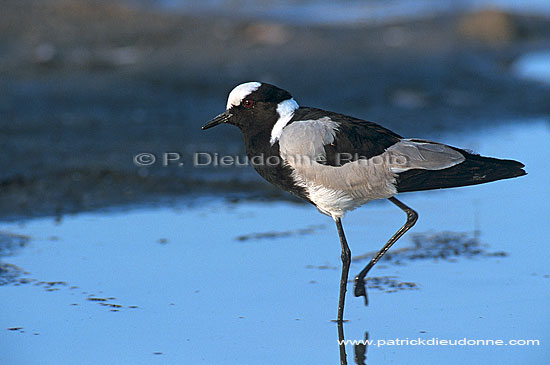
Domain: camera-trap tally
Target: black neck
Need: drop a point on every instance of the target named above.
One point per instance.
(257, 143)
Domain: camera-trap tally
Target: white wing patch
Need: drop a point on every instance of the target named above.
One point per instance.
(408, 154)
(237, 95)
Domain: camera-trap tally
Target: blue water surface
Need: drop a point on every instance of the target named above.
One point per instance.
(303, 12)
(190, 283)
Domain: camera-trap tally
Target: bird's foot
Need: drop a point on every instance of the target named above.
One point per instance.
(360, 289)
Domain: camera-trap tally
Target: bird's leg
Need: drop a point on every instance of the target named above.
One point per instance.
(346, 259)
(342, 344)
(412, 217)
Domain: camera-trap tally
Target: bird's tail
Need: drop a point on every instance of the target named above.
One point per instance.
(474, 170)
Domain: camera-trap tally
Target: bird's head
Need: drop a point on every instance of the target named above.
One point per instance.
(256, 106)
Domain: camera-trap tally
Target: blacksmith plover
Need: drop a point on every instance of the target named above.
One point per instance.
(339, 163)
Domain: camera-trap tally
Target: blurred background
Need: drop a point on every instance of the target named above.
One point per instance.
(105, 258)
(87, 85)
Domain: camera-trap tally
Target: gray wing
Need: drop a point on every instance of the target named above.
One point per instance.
(307, 138)
(302, 144)
(335, 189)
(409, 154)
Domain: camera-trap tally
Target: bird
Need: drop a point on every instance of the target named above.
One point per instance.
(338, 163)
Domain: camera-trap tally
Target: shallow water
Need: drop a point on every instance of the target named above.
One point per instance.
(217, 282)
(342, 12)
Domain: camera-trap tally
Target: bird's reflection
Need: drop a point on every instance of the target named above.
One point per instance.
(359, 348)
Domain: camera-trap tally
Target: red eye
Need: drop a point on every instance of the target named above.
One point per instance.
(248, 104)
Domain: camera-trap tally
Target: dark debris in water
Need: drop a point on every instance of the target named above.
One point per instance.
(447, 246)
(390, 284)
(112, 305)
(93, 299)
(11, 242)
(279, 234)
(322, 267)
(13, 275)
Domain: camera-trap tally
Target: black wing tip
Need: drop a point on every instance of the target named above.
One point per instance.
(512, 174)
(473, 171)
(516, 168)
(507, 169)
(521, 172)
(515, 163)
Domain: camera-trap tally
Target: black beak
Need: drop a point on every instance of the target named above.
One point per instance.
(222, 118)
